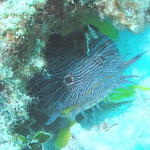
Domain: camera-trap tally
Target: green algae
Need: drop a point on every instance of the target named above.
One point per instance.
(42, 137)
(63, 136)
(125, 94)
(33, 142)
(104, 26)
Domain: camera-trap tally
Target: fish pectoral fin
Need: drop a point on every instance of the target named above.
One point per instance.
(52, 118)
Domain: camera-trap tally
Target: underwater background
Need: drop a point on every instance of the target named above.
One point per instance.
(122, 121)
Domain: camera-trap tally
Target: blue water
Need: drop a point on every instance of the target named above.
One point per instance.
(131, 44)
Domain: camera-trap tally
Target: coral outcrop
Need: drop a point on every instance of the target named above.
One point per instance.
(130, 14)
(127, 14)
(22, 37)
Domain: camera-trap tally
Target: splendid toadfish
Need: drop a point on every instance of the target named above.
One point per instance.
(84, 67)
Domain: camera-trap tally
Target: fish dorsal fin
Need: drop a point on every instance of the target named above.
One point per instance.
(83, 39)
(95, 40)
(91, 34)
(88, 40)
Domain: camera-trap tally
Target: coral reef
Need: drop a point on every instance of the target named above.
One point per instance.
(25, 26)
(22, 36)
(131, 14)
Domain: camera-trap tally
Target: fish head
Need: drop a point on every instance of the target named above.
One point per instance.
(88, 78)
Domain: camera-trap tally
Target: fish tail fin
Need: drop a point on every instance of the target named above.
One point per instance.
(133, 60)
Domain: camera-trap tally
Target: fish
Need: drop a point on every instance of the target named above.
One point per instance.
(83, 68)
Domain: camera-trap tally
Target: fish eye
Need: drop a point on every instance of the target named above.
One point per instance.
(68, 80)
